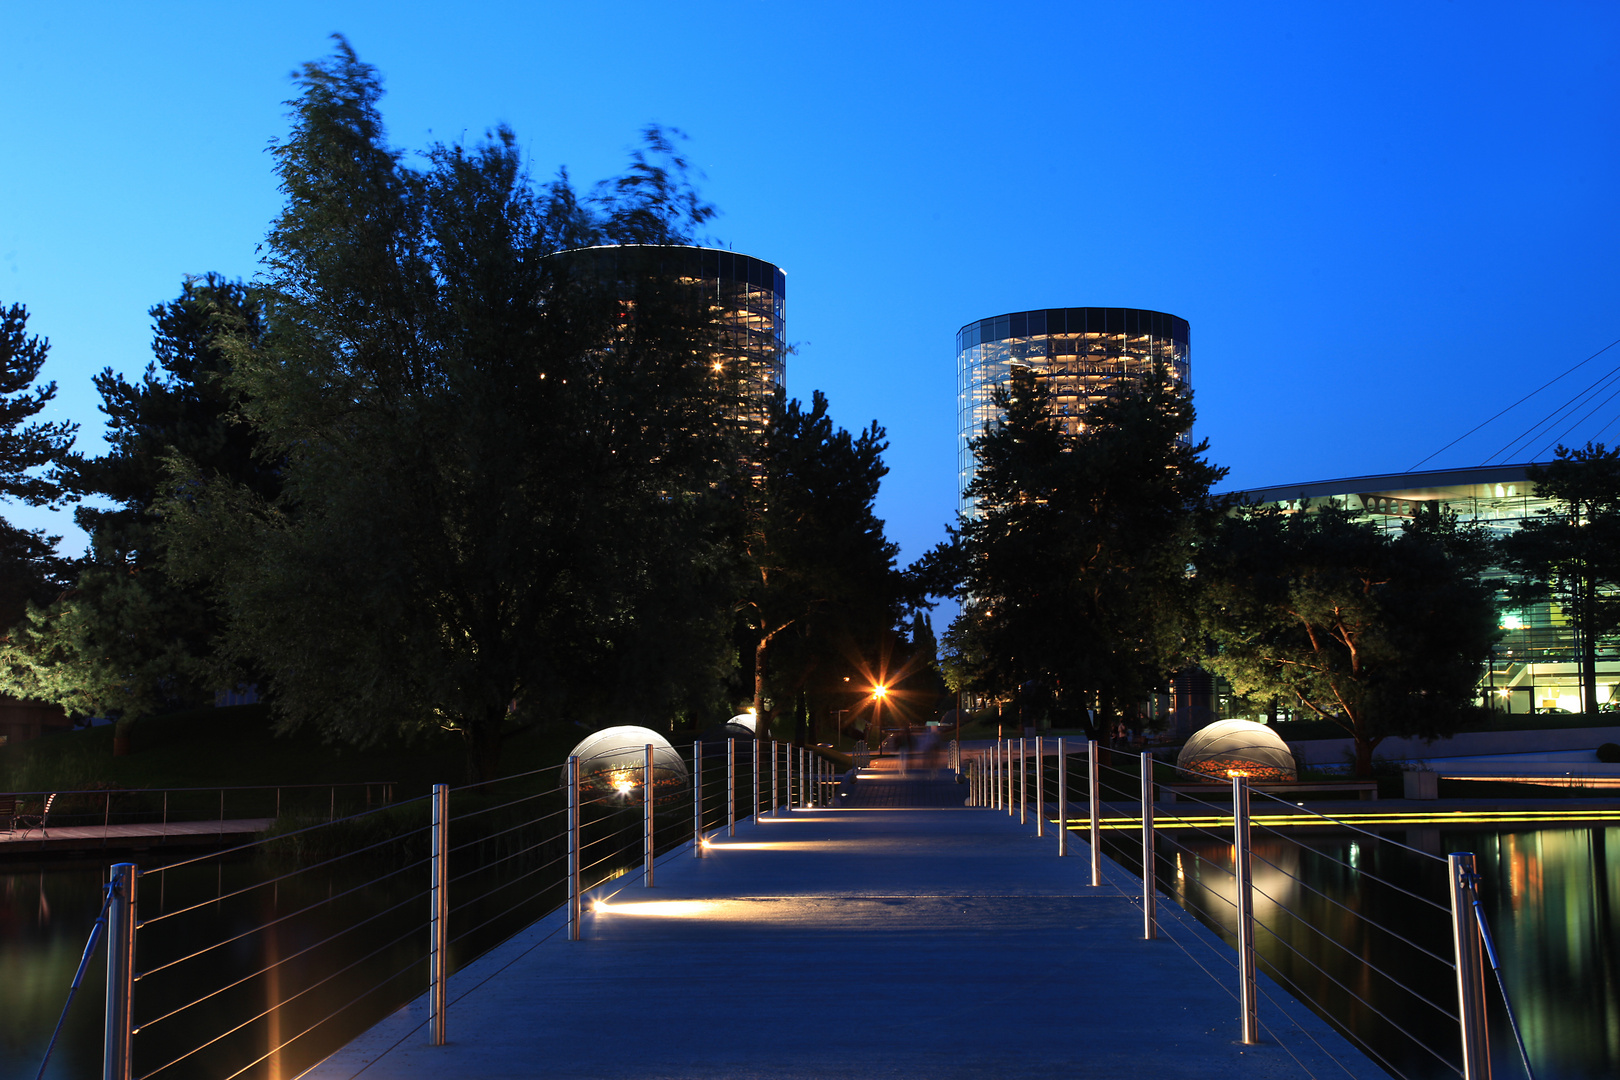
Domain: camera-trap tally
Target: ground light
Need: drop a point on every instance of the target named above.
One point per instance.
(1461, 817)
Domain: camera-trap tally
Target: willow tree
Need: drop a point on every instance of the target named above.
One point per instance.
(501, 475)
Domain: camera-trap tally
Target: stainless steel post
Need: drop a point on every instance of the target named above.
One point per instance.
(1476, 1045)
(1247, 1002)
(1011, 781)
(1150, 913)
(647, 815)
(1063, 800)
(1023, 784)
(697, 799)
(1040, 788)
(439, 916)
(1094, 800)
(776, 801)
(753, 813)
(573, 848)
(731, 787)
(120, 973)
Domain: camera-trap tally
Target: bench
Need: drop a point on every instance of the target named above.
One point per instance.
(8, 812)
(1364, 789)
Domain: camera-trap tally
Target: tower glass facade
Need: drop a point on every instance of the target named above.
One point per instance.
(1078, 352)
(748, 299)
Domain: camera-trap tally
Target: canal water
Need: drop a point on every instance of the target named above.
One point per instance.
(1347, 922)
(1348, 939)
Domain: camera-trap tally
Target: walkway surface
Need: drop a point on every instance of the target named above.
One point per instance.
(885, 938)
(144, 835)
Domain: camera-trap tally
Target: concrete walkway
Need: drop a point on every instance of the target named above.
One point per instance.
(859, 942)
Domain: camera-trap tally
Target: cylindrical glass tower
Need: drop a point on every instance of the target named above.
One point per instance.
(1079, 352)
(749, 297)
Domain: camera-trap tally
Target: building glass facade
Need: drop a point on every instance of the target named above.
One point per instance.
(1534, 667)
(1078, 352)
(748, 299)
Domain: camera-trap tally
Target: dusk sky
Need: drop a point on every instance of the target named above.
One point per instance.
(1384, 222)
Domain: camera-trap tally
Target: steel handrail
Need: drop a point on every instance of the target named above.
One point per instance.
(1368, 964)
(244, 890)
(1348, 910)
(279, 919)
(1369, 875)
(166, 867)
(271, 967)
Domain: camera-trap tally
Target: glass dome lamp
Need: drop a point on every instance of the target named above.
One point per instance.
(1229, 748)
(612, 760)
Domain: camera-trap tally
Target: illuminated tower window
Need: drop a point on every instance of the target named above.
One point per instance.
(1078, 353)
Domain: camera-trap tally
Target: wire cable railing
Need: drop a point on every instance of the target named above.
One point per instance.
(1348, 937)
(274, 951)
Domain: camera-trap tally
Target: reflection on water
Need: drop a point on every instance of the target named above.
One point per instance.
(348, 942)
(258, 965)
(45, 917)
(1367, 940)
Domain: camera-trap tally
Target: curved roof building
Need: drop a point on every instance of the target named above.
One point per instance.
(1534, 665)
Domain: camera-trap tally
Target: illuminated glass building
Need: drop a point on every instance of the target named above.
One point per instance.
(749, 300)
(1078, 352)
(1535, 666)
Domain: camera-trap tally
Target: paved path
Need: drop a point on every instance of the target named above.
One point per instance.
(149, 834)
(857, 942)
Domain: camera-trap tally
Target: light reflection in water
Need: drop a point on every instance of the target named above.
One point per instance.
(1549, 896)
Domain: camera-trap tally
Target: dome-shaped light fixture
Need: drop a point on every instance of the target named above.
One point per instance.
(611, 763)
(1229, 748)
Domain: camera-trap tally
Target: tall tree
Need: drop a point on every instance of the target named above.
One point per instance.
(1073, 567)
(31, 450)
(498, 471)
(1383, 635)
(1569, 553)
(125, 639)
(824, 591)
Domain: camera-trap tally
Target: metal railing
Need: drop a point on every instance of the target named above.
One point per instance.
(106, 808)
(1387, 983)
(264, 957)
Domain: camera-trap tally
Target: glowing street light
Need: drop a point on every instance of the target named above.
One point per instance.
(879, 692)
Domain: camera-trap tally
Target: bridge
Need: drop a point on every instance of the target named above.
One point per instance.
(746, 910)
(895, 933)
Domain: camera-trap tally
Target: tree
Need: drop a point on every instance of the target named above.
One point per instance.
(823, 591)
(1073, 566)
(1569, 552)
(502, 477)
(126, 639)
(1383, 635)
(31, 451)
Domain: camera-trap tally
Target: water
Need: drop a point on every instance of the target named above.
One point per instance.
(260, 963)
(1550, 897)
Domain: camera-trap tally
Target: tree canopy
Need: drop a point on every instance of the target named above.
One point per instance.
(824, 596)
(125, 639)
(1569, 553)
(1074, 563)
(501, 475)
(1381, 634)
(30, 452)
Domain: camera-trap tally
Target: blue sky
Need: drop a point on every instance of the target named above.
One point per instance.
(1384, 222)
